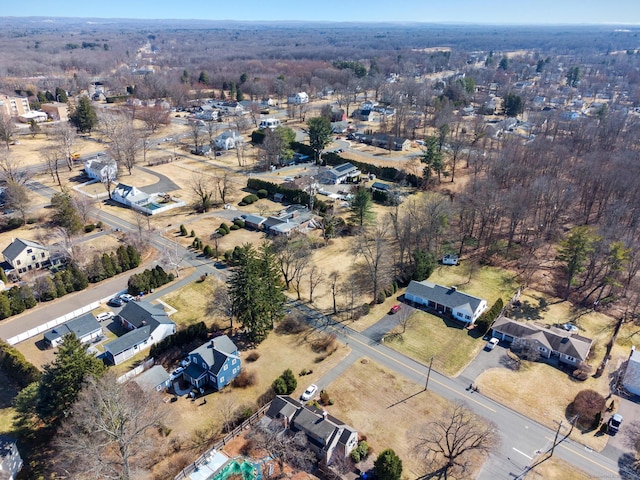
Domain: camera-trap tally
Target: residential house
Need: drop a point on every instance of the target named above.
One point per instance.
(299, 98)
(148, 324)
(228, 140)
(56, 111)
(10, 460)
(25, 255)
(231, 108)
(339, 127)
(129, 195)
(381, 187)
(331, 439)
(271, 123)
(446, 300)
(254, 221)
(156, 378)
(362, 115)
(291, 219)
(631, 379)
(214, 363)
(268, 102)
(101, 169)
(550, 342)
(14, 106)
(85, 327)
(341, 174)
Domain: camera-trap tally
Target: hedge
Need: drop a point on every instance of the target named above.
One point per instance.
(148, 280)
(180, 338)
(487, 318)
(14, 364)
(391, 174)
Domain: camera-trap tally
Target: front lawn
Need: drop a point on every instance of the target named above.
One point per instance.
(192, 302)
(451, 346)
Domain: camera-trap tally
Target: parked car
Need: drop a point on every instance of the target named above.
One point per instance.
(102, 317)
(126, 297)
(614, 423)
(115, 302)
(570, 327)
(309, 392)
(491, 344)
(177, 373)
(394, 309)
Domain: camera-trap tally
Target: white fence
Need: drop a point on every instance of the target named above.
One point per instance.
(136, 371)
(21, 337)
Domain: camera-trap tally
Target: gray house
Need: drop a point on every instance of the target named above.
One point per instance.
(446, 300)
(216, 363)
(148, 324)
(86, 328)
(328, 437)
(554, 343)
(342, 173)
(10, 460)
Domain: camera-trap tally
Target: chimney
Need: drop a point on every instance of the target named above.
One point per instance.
(324, 414)
(454, 288)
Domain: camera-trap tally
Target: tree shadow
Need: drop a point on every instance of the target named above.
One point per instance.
(526, 310)
(627, 467)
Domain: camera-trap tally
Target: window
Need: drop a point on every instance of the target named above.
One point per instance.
(42, 254)
(33, 257)
(29, 250)
(17, 262)
(459, 314)
(571, 359)
(542, 349)
(234, 370)
(468, 317)
(221, 379)
(233, 362)
(226, 367)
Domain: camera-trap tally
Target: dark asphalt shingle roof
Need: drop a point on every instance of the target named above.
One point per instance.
(16, 247)
(128, 340)
(144, 313)
(447, 296)
(80, 326)
(216, 352)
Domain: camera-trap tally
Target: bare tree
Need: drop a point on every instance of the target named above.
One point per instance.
(154, 117)
(52, 160)
(125, 139)
(293, 255)
(65, 136)
(316, 277)
(110, 429)
(372, 245)
(203, 187)
(334, 278)
(11, 170)
(227, 407)
(196, 134)
(18, 198)
(84, 205)
(7, 128)
(283, 445)
(446, 444)
(223, 184)
(221, 304)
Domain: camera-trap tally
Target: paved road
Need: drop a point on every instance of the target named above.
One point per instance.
(522, 437)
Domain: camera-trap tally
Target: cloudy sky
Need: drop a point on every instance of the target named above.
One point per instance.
(451, 11)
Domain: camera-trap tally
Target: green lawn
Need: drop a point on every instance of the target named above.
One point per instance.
(489, 283)
(451, 346)
(191, 302)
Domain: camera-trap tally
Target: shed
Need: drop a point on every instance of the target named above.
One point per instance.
(631, 380)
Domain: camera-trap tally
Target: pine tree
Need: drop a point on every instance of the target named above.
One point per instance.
(134, 256)
(388, 466)
(84, 117)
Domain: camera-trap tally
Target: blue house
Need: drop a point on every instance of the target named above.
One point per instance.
(215, 363)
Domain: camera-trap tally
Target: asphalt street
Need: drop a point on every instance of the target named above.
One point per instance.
(523, 441)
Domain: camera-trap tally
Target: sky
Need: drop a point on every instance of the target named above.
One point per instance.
(427, 11)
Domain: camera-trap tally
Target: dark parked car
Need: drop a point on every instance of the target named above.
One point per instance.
(115, 302)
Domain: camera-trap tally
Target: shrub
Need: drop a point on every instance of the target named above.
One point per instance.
(222, 232)
(324, 397)
(326, 343)
(290, 380)
(234, 227)
(207, 251)
(180, 338)
(588, 404)
(242, 204)
(225, 227)
(253, 356)
(89, 228)
(388, 466)
(292, 325)
(249, 199)
(193, 233)
(360, 452)
(487, 318)
(381, 297)
(279, 386)
(262, 193)
(183, 231)
(14, 364)
(239, 222)
(245, 379)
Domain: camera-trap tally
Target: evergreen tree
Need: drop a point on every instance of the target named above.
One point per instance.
(573, 253)
(123, 258)
(62, 379)
(115, 262)
(388, 466)
(319, 134)
(361, 207)
(61, 95)
(80, 281)
(5, 306)
(290, 380)
(16, 301)
(84, 117)
(134, 256)
(513, 105)
(107, 264)
(61, 289)
(65, 214)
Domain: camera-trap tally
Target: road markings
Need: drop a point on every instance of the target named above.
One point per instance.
(522, 453)
(395, 360)
(587, 458)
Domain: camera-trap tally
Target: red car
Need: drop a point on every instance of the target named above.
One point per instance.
(394, 309)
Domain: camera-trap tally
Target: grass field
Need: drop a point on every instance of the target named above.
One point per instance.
(191, 302)
(8, 391)
(451, 346)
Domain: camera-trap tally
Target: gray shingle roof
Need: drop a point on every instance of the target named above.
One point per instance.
(16, 247)
(216, 352)
(79, 326)
(128, 340)
(447, 296)
(144, 313)
(153, 377)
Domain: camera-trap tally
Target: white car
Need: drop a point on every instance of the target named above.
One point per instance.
(570, 328)
(491, 344)
(105, 316)
(177, 373)
(126, 297)
(309, 392)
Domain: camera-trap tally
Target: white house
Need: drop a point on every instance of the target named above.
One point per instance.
(631, 380)
(10, 461)
(446, 300)
(299, 98)
(148, 324)
(129, 195)
(231, 108)
(340, 174)
(86, 328)
(271, 123)
(228, 140)
(102, 169)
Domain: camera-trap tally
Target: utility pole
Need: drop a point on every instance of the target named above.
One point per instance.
(426, 385)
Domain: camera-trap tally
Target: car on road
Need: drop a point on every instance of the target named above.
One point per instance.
(309, 392)
(115, 302)
(614, 423)
(570, 327)
(394, 309)
(491, 344)
(125, 297)
(177, 373)
(102, 317)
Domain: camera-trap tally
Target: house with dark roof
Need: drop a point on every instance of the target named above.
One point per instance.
(214, 363)
(24, 255)
(10, 460)
(85, 327)
(446, 300)
(381, 187)
(550, 342)
(254, 221)
(147, 324)
(328, 437)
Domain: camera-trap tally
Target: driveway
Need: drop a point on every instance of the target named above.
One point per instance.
(383, 326)
(164, 184)
(484, 360)
(629, 408)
